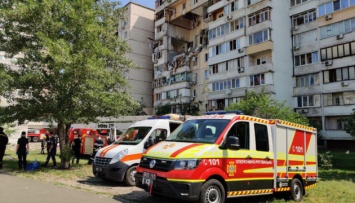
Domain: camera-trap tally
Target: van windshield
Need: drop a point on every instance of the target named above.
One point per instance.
(199, 131)
(133, 135)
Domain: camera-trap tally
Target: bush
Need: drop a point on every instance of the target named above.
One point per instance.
(325, 160)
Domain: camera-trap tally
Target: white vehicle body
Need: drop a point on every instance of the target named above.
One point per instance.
(119, 160)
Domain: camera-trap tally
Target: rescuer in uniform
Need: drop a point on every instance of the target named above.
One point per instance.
(22, 149)
(52, 149)
(76, 147)
(3, 142)
(98, 144)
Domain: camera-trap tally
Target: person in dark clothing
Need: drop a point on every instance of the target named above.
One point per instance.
(76, 148)
(48, 143)
(97, 146)
(22, 149)
(3, 142)
(52, 149)
(43, 144)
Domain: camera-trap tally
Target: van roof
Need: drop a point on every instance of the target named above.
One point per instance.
(153, 122)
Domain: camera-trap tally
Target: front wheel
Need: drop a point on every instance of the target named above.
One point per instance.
(212, 191)
(35, 139)
(296, 190)
(129, 178)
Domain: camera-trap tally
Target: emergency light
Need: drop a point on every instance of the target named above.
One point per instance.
(159, 117)
(238, 112)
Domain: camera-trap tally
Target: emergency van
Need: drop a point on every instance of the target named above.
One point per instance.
(214, 157)
(119, 160)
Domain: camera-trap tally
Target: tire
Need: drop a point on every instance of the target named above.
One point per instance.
(129, 178)
(212, 191)
(296, 190)
(35, 139)
(29, 139)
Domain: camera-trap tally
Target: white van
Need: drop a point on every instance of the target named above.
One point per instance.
(119, 160)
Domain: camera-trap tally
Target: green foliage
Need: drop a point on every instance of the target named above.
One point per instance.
(163, 109)
(261, 105)
(325, 160)
(69, 60)
(350, 124)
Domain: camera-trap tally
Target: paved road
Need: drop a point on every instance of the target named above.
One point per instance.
(18, 190)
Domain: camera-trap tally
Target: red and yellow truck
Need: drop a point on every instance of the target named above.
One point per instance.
(214, 157)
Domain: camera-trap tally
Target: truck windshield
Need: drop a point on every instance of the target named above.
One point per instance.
(133, 135)
(199, 131)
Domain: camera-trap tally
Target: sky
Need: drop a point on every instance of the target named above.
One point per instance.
(147, 3)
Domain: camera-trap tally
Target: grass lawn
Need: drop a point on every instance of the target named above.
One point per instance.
(335, 185)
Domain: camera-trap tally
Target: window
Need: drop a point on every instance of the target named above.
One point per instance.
(306, 101)
(231, 7)
(259, 37)
(261, 137)
(225, 84)
(303, 18)
(241, 131)
(206, 74)
(296, 2)
(305, 59)
(218, 31)
(259, 17)
(338, 51)
(332, 6)
(305, 38)
(307, 80)
(334, 29)
(260, 61)
(339, 74)
(227, 66)
(237, 24)
(206, 57)
(258, 79)
(250, 2)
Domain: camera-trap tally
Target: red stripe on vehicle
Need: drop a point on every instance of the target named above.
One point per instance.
(184, 149)
(104, 152)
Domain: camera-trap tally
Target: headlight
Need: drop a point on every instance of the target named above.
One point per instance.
(119, 156)
(187, 164)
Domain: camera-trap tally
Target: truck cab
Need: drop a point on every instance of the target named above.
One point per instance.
(119, 160)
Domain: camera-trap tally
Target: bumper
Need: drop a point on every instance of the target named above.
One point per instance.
(115, 172)
(162, 187)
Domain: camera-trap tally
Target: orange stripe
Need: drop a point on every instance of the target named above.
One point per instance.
(130, 157)
(104, 152)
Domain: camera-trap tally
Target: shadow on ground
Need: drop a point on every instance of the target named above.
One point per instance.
(336, 175)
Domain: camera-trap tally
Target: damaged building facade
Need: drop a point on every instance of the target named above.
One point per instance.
(299, 51)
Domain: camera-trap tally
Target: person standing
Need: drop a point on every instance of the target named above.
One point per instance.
(76, 148)
(98, 145)
(22, 150)
(43, 144)
(3, 142)
(52, 149)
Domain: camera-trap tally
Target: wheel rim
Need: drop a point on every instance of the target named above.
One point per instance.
(297, 191)
(131, 175)
(213, 195)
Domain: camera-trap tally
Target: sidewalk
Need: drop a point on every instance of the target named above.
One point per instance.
(18, 190)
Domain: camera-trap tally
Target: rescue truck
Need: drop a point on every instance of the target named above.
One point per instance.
(214, 157)
(119, 160)
(36, 135)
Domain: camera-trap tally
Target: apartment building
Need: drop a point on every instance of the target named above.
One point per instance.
(299, 51)
(324, 74)
(136, 27)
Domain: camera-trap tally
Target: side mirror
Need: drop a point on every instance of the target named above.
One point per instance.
(231, 143)
(149, 143)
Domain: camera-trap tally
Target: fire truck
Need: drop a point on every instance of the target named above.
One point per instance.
(36, 135)
(214, 157)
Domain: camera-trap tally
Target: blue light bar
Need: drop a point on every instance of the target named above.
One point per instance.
(224, 112)
(159, 117)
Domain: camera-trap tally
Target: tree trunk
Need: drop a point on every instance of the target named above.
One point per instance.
(64, 143)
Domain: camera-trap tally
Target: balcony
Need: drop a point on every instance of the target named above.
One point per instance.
(261, 47)
(258, 6)
(307, 69)
(337, 110)
(215, 5)
(308, 90)
(259, 27)
(262, 68)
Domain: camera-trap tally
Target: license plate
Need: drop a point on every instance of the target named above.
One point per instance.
(99, 169)
(148, 178)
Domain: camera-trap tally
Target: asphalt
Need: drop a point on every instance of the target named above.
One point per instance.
(19, 190)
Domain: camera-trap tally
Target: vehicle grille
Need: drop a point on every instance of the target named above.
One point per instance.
(102, 161)
(160, 165)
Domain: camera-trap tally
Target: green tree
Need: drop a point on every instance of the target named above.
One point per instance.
(261, 105)
(69, 63)
(350, 124)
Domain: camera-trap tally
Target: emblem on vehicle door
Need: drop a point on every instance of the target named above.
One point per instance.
(152, 163)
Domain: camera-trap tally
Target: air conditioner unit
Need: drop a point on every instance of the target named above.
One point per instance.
(155, 61)
(296, 48)
(229, 17)
(328, 17)
(295, 28)
(328, 63)
(304, 110)
(241, 69)
(241, 50)
(340, 36)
